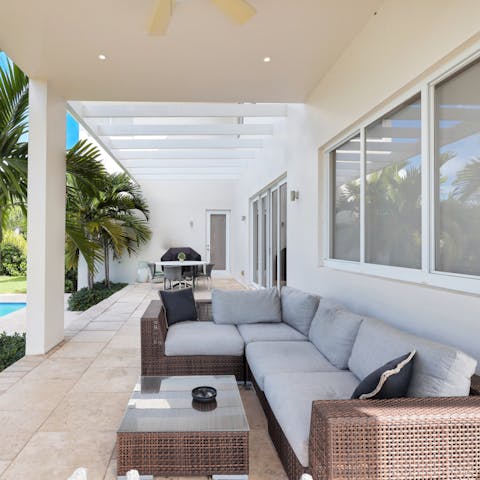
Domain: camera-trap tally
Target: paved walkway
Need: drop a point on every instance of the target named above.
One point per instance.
(60, 411)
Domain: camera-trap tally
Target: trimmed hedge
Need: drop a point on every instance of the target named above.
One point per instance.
(12, 348)
(85, 298)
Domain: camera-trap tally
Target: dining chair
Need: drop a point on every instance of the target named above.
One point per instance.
(207, 274)
(157, 274)
(173, 274)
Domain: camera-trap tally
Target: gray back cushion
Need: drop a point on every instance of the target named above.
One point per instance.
(333, 332)
(438, 370)
(246, 306)
(298, 308)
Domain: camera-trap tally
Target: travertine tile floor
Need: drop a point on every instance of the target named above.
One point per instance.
(60, 411)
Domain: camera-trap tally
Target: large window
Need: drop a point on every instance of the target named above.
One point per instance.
(345, 164)
(404, 193)
(457, 173)
(393, 214)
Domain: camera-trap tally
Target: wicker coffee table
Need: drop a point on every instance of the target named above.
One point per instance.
(165, 433)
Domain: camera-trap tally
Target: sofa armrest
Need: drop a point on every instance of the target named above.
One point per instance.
(397, 439)
(153, 331)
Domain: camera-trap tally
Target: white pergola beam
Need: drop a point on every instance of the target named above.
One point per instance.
(184, 163)
(148, 109)
(199, 129)
(191, 171)
(193, 143)
(183, 154)
(186, 177)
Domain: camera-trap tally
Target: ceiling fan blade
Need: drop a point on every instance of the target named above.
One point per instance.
(161, 17)
(240, 11)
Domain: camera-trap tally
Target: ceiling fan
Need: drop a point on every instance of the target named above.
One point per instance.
(240, 11)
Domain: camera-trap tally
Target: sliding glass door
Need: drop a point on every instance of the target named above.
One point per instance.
(255, 235)
(269, 236)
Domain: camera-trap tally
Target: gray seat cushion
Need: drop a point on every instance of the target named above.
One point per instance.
(438, 370)
(292, 406)
(333, 332)
(298, 308)
(268, 332)
(265, 358)
(203, 338)
(246, 306)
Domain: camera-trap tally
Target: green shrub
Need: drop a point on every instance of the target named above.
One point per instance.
(85, 298)
(71, 280)
(13, 260)
(13, 238)
(12, 348)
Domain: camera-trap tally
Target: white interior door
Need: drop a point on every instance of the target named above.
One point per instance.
(218, 240)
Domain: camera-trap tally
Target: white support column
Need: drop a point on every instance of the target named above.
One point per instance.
(46, 219)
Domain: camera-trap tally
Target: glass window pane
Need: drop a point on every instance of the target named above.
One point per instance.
(274, 221)
(345, 161)
(393, 211)
(457, 172)
(264, 240)
(283, 234)
(255, 241)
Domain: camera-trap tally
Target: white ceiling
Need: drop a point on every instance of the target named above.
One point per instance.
(171, 141)
(203, 57)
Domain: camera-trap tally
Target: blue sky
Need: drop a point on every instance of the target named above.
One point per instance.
(72, 124)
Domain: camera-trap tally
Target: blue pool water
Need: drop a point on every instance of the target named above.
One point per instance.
(9, 307)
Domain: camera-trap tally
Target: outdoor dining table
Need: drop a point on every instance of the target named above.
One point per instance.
(178, 263)
(184, 263)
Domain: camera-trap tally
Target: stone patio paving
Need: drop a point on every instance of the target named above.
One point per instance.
(60, 411)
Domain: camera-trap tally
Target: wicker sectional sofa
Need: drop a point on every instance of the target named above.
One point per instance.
(305, 356)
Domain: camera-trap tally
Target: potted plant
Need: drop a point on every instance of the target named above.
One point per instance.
(181, 256)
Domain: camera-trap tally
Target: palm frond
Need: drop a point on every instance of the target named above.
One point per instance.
(467, 183)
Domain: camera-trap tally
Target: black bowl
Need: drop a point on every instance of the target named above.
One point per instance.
(204, 394)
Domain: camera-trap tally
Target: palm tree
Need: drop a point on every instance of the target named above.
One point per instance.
(13, 145)
(467, 183)
(123, 203)
(112, 216)
(85, 177)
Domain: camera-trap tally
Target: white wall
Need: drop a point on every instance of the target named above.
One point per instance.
(173, 205)
(405, 40)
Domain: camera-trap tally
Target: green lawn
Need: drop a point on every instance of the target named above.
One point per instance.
(13, 284)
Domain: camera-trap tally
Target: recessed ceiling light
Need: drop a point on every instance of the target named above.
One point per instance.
(102, 57)
(267, 59)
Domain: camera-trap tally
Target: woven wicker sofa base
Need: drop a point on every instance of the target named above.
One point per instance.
(377, 440)
(183, 454)
(293, 468)
(195, 365)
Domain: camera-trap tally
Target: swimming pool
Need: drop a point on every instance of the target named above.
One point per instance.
(9, 307)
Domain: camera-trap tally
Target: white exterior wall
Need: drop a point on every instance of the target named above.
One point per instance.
(173, 205)
(405, 40)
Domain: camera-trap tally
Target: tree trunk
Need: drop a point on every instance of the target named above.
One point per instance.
(90, 279)
(106, 262)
